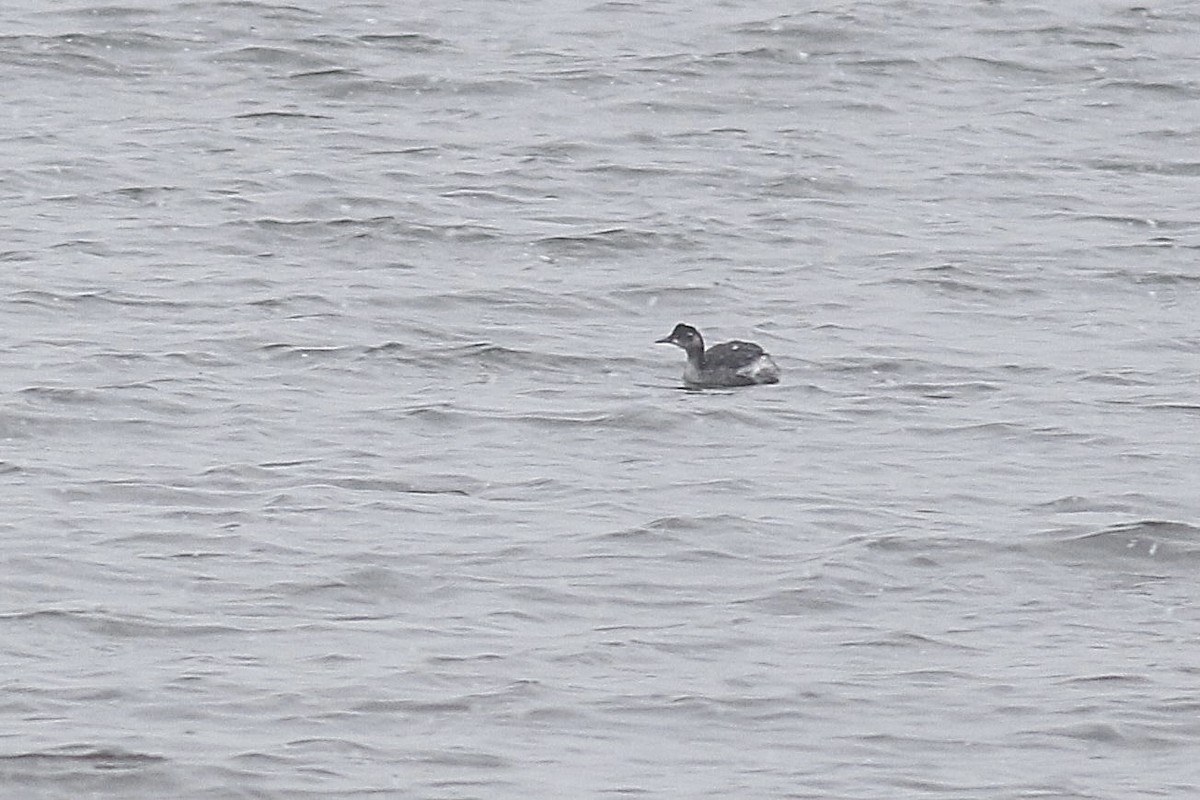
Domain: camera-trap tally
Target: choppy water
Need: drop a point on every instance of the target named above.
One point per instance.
(338, 462)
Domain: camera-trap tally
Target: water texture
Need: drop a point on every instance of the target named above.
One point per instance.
(338, 462)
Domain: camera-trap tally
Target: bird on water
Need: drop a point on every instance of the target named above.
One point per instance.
(729, 364)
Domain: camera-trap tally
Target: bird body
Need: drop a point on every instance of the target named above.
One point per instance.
(733, 363)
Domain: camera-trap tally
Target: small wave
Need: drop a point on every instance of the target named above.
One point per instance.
(953, 279)
(994, 66)
(1178, 168)
(326, 72)
(94, 757)
(434, 85)
(304, 225)
(1092, 733)
(668, 526)
(771, 55)
(798, 602)
(1181, 91)
(276, 56)
(77, 52)
(279, 115)
(54, 300)
(814, 30)
(111, 625)
(288, 352)
(300, 305)
(1116, 378)
(950, 390)
(923, 545)
(613, 239)
(455, 486)
(1158, 541)
(1155, 278)
(1076, 504)
(408, 42)
(151, 195)
(1107, 679)
(485, 195)
(56, 394)
(905, 641)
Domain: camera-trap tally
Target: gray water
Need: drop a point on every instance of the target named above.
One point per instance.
(338, 460)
